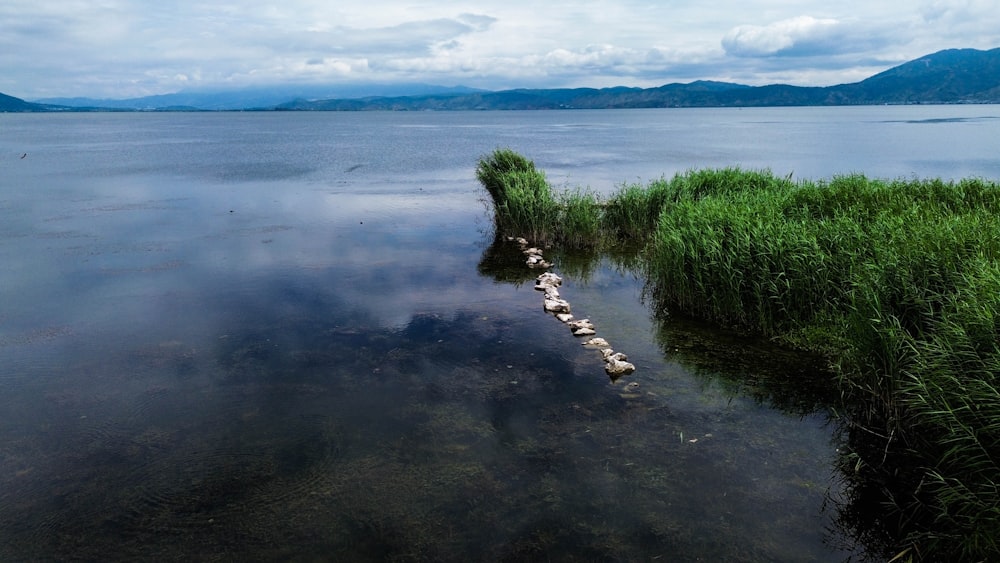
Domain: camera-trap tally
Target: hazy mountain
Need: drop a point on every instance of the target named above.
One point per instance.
(950, 76)
(257, 98)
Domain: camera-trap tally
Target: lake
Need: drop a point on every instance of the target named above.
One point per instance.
(292, 336)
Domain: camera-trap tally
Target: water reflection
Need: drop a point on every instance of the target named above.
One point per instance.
(324, 361)
(734, 369)
(302, 424)
(869, 500)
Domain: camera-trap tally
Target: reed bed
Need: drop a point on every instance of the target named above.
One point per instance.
(522, 197)
(897, 282)
(525, 205)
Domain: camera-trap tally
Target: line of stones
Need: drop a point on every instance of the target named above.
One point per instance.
(615, 363)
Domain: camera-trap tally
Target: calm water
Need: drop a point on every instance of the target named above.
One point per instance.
(286, 336)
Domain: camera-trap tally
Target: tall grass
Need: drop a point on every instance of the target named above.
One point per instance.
(579, 224)
(896, 281)
(525, 204)
(529, 209)
(491, 171)
(632, 213)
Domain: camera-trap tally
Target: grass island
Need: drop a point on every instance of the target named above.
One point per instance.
(895, 282)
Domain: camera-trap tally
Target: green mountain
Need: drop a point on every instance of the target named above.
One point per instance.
(950, 76)
(955, 75)
(12, 104)
(946, 77)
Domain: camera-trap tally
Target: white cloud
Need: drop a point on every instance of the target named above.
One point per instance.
(121, 48)
(783, 36)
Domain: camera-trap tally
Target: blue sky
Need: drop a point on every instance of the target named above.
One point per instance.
(128, 48)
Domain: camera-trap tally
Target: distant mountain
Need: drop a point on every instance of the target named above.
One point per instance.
(256, 98)
(12, 104)
(955, 75)
(947, 77)
(951, 76)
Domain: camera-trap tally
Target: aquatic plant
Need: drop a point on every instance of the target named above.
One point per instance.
(579, 222)
(631, 214)
(492, 169)
(897, 282)
(525, 204)
(522, 198)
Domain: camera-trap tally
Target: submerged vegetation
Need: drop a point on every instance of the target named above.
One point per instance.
(896, 282)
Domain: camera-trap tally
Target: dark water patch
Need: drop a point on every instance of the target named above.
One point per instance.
(55, 235)
(792, 381)
(256, 171)
(947, 120)
(154, 205)
(152, 268)
(34, 336)
(309, 428)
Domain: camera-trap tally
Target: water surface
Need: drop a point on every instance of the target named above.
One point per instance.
(283, 336)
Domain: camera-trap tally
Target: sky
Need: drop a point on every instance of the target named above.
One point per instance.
(132, 48)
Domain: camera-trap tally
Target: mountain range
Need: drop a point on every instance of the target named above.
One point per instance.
(949, 76)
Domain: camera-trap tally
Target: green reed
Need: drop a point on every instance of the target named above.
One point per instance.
(523, 201)
(526, 205)
(897, 282)
(632, 213)
(579, 223)
(491, 171)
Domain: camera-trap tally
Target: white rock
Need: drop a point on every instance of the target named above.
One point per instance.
(616, 368)
(582, 323)
(548, 278)
(616, 357)
(607, 353)
(599, 342)
(557, 306)
(532, 250)
(564, 317)
(583, 331)
(551, 292)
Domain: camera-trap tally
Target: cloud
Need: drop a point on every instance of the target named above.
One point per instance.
(123, 48)
(790, 37)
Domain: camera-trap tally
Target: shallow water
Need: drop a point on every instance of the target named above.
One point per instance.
(286, 336)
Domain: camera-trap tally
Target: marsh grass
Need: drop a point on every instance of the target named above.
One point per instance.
(491, 171)
(528, 208)
(896, 281)
(632, 213)
(579, 223)
(525, 204)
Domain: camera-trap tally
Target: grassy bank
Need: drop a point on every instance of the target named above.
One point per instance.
(897, 282)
